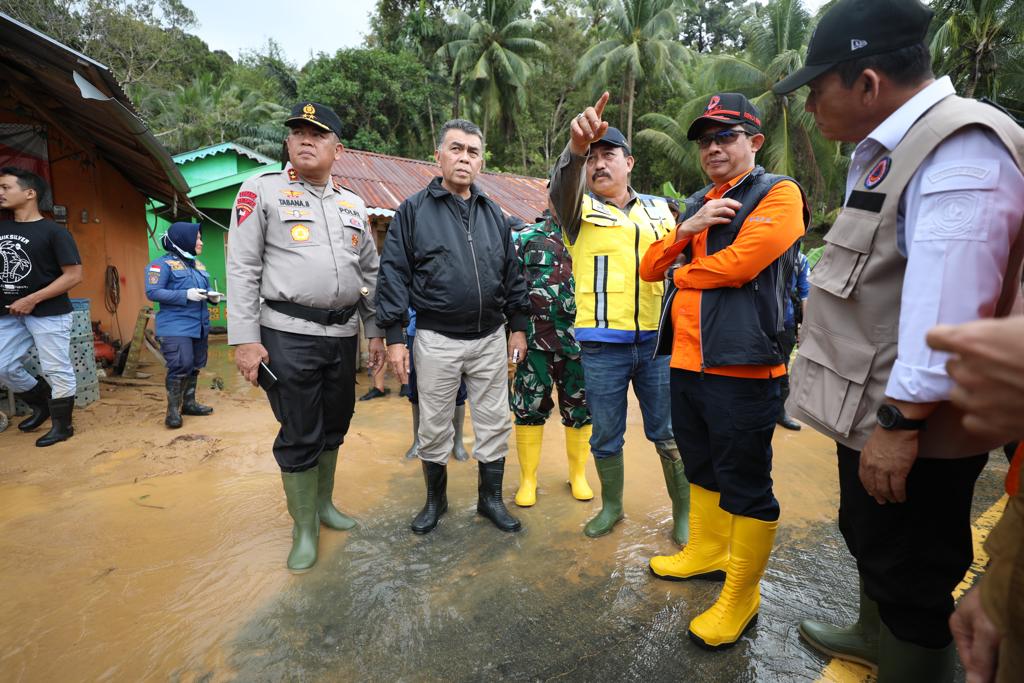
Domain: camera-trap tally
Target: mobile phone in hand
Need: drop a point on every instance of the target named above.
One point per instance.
(265, 378)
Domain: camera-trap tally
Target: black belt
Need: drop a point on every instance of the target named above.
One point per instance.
(323, 316)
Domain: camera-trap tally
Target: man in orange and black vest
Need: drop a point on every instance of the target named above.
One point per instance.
(738, 241)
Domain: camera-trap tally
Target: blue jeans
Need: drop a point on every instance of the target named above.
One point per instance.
(608, 369)
(52, 337)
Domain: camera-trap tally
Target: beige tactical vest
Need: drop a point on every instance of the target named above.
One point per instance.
(850, 331)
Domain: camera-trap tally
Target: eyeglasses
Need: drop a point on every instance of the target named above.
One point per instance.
(722, 137)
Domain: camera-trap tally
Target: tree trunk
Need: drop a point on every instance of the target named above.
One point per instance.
(457, 90)
(630, 86)
(433, 129)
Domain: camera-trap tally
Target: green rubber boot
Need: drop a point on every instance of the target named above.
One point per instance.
(857, 642)
(329, 515)
(902, 662)
(300, 489)
(610, 472)
(678, 491)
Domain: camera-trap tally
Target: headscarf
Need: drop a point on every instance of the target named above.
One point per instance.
(181, 238)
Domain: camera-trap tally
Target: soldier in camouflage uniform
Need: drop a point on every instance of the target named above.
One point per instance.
(552, 358)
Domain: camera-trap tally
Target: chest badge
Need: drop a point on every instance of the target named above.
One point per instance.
(300, 233)
(878, 173)
(292, 194)
(355, 241)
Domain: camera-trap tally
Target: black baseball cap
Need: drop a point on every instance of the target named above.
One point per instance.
(614, 137)
(727, 108)
(851, 29)
(319, 115)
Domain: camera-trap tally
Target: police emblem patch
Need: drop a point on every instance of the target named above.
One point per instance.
(244, 205)
(300, 233)
(292, 174)
(878, 173)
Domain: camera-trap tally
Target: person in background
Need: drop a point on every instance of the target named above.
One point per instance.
(178, 281)
(797, 290)
(552, 359)
(39, 263)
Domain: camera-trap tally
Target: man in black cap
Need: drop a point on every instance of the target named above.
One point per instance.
(930, 233)
(301, 263)
(738, 238)
(607, 227)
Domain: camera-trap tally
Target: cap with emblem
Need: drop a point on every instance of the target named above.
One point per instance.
(728, 108)
(318, 115)
(614, 137)
(851, 29)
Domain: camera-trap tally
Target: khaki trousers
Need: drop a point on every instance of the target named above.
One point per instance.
(441, 364)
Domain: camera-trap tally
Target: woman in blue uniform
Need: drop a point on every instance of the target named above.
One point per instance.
(180, 283)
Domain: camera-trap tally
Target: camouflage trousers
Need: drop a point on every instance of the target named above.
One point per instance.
(536, 377)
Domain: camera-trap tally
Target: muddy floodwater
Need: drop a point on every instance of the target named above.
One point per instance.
(133, 552)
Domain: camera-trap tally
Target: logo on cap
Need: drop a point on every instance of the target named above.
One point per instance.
(857, 43)
(713, 104)
(309, 109)
(878, 173)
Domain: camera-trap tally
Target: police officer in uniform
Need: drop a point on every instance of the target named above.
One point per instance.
(607, 228)
(931, 232)
(552, 359)
(301, 242)
(179, 282)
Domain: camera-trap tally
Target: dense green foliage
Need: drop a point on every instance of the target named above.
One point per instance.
(522, 70)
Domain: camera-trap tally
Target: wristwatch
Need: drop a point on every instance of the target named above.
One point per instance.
(890, 417)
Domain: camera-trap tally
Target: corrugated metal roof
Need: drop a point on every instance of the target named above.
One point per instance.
(384, 181)
(81, 98)
(204, 152)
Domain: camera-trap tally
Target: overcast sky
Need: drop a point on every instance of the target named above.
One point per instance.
(301, 27)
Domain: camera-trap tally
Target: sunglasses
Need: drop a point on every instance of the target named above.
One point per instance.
(722, 137)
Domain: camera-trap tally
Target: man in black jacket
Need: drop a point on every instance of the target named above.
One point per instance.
(449, 255)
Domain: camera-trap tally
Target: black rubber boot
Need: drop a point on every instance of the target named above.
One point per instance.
(175, 391)
(60, 422)
(489, 502)
(188, 404)
(38, 399)
(436, 477)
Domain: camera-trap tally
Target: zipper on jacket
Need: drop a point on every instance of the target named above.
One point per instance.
(636, 281)
(476, 270)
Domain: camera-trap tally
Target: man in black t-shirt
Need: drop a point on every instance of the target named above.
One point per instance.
(39, 263)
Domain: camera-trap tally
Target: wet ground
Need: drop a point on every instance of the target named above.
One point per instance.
(132, 552)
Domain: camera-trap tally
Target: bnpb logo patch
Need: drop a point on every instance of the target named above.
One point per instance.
(878, 173)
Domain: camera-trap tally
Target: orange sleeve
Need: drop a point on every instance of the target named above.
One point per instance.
(768, 232)
(660, 255)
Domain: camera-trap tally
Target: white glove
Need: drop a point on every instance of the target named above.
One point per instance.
(214, 297)
(195, 294)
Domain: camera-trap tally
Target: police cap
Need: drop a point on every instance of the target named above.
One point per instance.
(319, 115)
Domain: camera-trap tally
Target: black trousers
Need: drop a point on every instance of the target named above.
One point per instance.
(723, 427)
(314, 397)
(912, 555)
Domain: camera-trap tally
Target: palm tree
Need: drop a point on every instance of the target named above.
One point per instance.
(978, 43)
(491, 58)
(775, 42)
(639, 44)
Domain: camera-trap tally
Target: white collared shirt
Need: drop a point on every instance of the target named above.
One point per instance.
(958, 216)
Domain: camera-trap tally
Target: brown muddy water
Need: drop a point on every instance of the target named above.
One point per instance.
(136, 553)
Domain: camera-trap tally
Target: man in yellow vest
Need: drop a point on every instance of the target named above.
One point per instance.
(607, 228)
(930, 233)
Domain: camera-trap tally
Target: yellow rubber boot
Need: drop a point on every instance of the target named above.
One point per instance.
(528, 440)
(577, 448)
(707, 553)
(736, 608)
